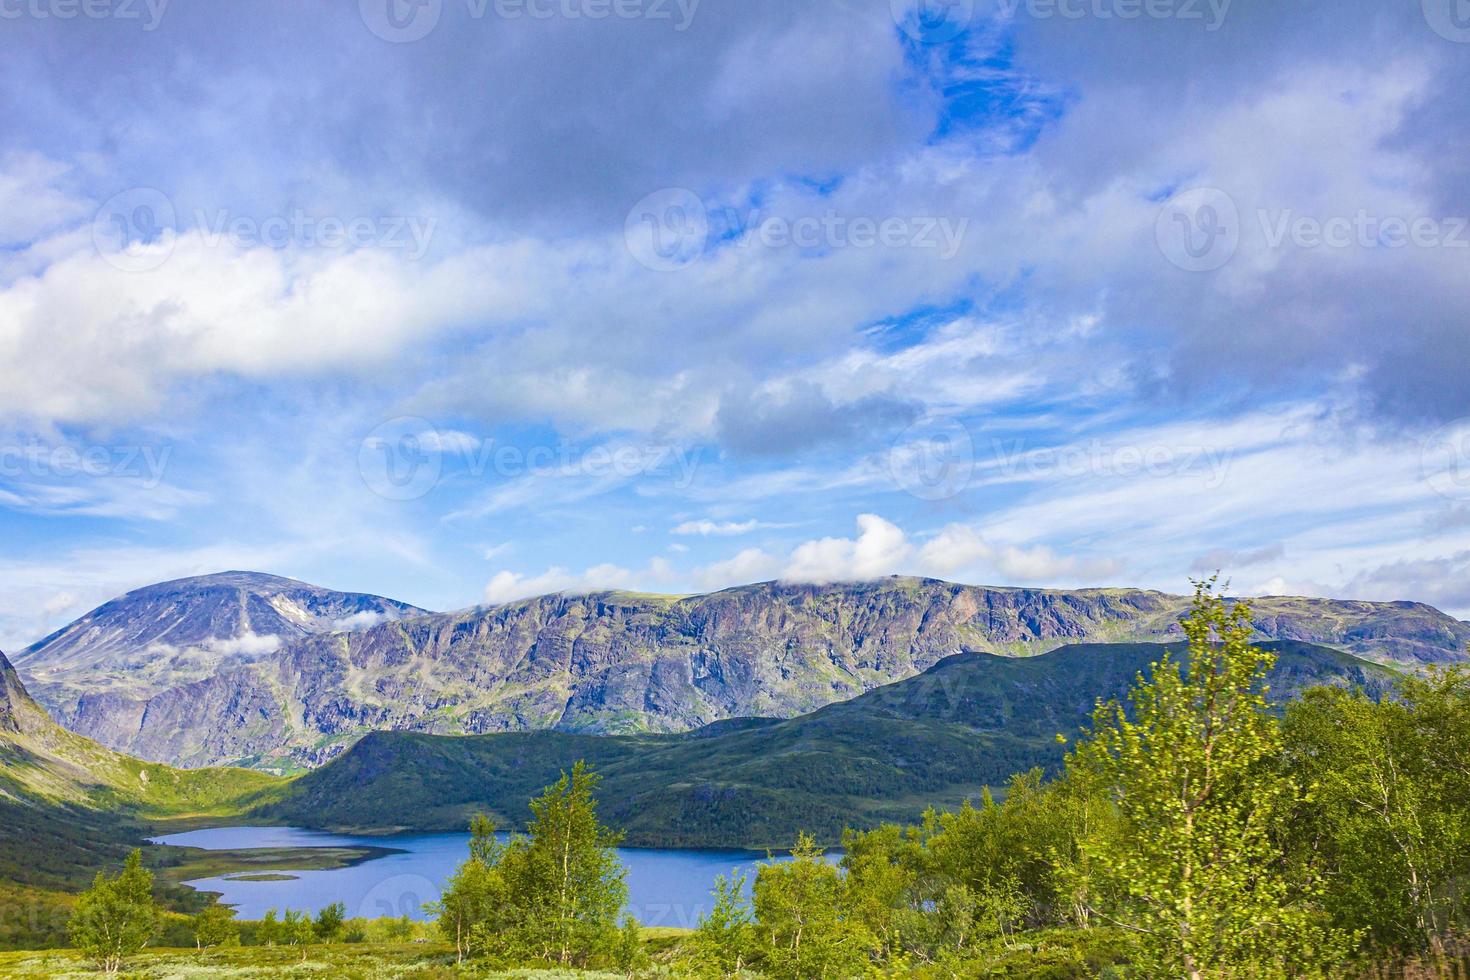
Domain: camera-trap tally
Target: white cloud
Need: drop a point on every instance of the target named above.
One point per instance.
(246, 645)
(881, 548)
(507, 586)
(358, 622)
(960, 548)
(707, 528)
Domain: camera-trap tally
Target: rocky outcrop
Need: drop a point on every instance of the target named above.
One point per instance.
(616, 663)
(19, 715)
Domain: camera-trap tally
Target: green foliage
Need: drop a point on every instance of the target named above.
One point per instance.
(269, 932)
(329, 922)
(807, 924)
(628, 954)
(1389, 813)
(552, 895)
(297, 929)
(116, 917)
(722, 943)
(474, 895)
(1196, 865)
(215, 925)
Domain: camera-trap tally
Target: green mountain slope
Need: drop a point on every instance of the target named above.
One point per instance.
(68, 805)
(935, 739)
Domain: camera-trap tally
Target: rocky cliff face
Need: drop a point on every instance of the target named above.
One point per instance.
(19, 715)
(612, 662)
(156, 638)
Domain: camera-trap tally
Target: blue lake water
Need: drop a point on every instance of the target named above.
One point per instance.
(665, 887)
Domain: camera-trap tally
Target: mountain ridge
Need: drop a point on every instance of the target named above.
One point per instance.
(619, 662)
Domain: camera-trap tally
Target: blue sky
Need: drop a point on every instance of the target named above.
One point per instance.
(483, 300)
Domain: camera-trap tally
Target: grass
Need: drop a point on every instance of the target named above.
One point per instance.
(339, 961)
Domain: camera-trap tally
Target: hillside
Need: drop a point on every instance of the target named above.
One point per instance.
(616, 663)
(934, 739)
(156, 638)
(68, 804)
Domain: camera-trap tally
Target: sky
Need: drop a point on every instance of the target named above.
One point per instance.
(461, 301)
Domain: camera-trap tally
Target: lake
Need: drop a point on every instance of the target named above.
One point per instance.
(665, 887)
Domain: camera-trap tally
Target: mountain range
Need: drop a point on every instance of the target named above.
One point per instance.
(256, 670)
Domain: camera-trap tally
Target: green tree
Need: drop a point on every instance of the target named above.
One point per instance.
(553, 894)
(116, 917)
(1389, 814)
(564, 885)
(628, 954)
(329, 921)
(720, 945)
(1193, 769)
(473, 895)
(298, 930)
(269, 933)
(806, 927)
(215, 926)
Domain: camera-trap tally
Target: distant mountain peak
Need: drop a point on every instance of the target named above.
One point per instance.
(161, 636)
